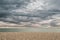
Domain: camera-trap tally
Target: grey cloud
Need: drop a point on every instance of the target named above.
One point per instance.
(8, 15)
(54, 4)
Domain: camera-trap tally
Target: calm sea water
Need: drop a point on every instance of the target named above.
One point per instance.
(29, 29)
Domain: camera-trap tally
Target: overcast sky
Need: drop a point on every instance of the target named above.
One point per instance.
(29, 12)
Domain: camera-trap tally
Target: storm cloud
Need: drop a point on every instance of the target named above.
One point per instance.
(30, 12)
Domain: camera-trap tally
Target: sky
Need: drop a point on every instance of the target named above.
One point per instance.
(30, 13)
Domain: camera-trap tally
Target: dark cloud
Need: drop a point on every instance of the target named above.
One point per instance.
(17, 11)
